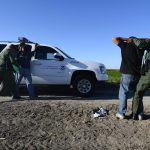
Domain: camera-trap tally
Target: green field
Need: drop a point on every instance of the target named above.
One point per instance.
(113, 75)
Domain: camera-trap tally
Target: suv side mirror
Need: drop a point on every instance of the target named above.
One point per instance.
(58, 56)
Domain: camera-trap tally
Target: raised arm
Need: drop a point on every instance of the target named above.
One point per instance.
(117, 40)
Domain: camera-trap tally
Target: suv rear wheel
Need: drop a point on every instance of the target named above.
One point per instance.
(84, 85)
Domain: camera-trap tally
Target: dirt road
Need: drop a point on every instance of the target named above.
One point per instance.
(65, 122)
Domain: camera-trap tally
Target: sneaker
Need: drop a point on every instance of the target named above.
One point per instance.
(120, 116)
(140, 117)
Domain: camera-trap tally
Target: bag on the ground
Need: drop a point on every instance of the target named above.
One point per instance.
(100, 113)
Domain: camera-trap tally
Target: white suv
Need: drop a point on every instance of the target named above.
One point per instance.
(51, 66)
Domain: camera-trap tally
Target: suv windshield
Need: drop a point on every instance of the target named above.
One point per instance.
(2, 46)
(64, 53)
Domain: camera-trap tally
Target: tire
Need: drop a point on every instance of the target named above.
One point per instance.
(84, 86)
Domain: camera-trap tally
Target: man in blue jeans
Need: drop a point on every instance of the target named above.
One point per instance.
(130, 72)
(24, 59)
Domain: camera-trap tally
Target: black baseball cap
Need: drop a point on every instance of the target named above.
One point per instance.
(22, 39)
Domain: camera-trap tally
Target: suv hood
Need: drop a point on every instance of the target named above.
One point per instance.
(86, 64)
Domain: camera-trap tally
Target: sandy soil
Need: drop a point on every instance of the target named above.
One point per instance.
(69, 125)
(64, 123)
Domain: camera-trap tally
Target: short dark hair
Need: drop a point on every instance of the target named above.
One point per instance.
(23, 40)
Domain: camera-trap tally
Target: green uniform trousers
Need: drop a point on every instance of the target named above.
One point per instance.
(142, 87)
(9, 82)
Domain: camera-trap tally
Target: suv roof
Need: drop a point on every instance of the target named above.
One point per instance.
(19, 39)
(16, 42)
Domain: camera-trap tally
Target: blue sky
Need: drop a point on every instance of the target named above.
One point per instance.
(81, 28)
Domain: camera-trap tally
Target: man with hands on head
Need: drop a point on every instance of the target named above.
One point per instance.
(130, 72)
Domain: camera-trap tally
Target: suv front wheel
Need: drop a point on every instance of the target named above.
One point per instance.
(84, 86)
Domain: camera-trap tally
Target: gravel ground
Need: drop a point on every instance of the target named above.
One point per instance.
(66, 123)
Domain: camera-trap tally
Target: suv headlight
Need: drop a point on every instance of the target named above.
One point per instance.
(102, 69)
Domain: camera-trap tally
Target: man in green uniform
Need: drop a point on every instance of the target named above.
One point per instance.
(7, 60)
(144, 82)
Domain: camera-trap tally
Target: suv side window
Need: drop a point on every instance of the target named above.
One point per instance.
(2, 46)
(44, 53)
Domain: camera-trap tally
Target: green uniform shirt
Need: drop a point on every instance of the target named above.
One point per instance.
(7, 59)
(143, 44)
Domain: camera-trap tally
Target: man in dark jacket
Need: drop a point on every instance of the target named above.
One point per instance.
(130, 70)
(24, 59)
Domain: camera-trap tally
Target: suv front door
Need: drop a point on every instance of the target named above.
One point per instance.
(46, 69)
